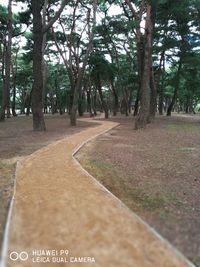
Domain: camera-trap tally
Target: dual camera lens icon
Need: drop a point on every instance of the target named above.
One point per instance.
(22, 256)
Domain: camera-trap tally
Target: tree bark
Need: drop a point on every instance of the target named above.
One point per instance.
(5, 105)
(153, 98)
(14, 93)
(142, 118)
(153, 87)
(14, 73)
(37, 90)
(38, 34)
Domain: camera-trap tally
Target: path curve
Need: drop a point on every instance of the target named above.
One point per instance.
(59, 206)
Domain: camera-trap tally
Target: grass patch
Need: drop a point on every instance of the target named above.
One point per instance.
(115, 180)
(147, 202)
(152, 203)
(101, 165)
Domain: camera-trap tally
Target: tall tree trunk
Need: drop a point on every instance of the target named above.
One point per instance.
(28, 106)
(153, 95)
(58, 96)
(160, 84)
(161, 99)
(89, 104)
(103, 102)
(140, 55)
(136, 106)
(80, 103)
(44, 42)
(153, 98)
(76, 94)
(142, 118)
(14, 95)
(37, 91)
(177, 82)
(115, 99)
(14, 72)
(38, 32)
(95, 102)
(139, 48)
(5, 105)
(81, 70)
(126, 103)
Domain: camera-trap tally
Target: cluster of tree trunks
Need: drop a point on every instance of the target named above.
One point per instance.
(86, 86)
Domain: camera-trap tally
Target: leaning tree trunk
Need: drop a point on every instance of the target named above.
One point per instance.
(142, 118)
(5, 105)
(37, 91)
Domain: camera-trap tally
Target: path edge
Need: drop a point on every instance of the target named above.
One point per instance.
(5, 242)
(133, 214)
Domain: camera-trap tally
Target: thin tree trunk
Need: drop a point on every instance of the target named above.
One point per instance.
(95, 102)
(161, 99)
(28, 107)
(81, 70)
(177, 82)
(139, 49)
(136, 106)
(103, 102)
(14, 95)
(153, 95)
(160, 85)
(115, 99)
(14, 71)
(37, 91)
(44, 42)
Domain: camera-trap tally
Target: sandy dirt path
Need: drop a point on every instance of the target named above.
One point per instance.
(58, 206)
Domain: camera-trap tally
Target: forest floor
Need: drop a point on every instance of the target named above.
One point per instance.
(18, 140)
(156, 173)
(59, 206)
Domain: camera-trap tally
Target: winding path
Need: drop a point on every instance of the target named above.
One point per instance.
(59, 206)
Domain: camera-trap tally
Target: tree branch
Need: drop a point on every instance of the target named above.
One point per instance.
(57, 15)
(128, 3)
